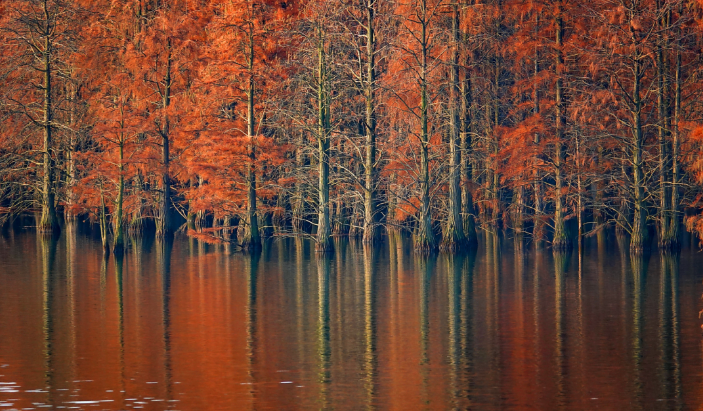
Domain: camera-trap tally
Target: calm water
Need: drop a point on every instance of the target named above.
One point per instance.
(191, 326)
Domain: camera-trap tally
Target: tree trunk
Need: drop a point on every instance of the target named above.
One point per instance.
(163, 227)
(597, 198)
(494, 179)
(103, 222)
(663, 130)
(118, 246)
(370, 226)
(673, 236)
(518, 214)
(623, 218)
(164, 222)
(467, 203)
(252, 236)
(391, 221)
(324, 234)
(424, 237)
(298, 218)
(280, 223)
(71, 174)
(49, 223)
(136, 223)
(538, 222)
(454, 238)
(562, 239)
(579, 189)
(639, 227)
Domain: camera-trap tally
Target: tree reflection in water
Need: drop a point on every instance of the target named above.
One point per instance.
(500, 326)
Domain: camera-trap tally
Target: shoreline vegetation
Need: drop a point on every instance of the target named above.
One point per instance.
(545, 121)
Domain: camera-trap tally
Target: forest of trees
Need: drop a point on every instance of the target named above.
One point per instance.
(237, 120)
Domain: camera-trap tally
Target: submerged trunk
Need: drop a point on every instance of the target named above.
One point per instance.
(454, 238)
(266, 224)
(623, 218)
(467, 204)
(298, 218)
(639, 225)
(496, 222)
(579, 189)
(673, 236)
(252, 236)
(663, 131)
(136, 223)
(324, 230)
(340, 218)
(391, 222)
(49, 222)
(280, 223)
(370, 226)
(562, 239)
(163, 227)
(538, 232)
(424, 237)
(71, 172)
(597, 198)
(518, 214)
(104, 226)
(118, 246)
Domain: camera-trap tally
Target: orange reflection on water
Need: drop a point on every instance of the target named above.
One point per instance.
(185, 325)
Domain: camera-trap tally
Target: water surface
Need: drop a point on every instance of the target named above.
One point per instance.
(191, 326)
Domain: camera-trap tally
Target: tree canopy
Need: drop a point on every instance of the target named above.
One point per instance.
(239, 120)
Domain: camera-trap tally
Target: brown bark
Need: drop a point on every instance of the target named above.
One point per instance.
(562, 239)
(370, 223)
(163, 223)
(49, 222)
(466, 171)
(324, 230)
(252, 236)
(424, 238)
(454, 238)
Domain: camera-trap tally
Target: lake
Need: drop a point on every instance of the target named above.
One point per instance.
(186, 325)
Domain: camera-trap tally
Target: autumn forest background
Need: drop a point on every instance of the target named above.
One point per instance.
(549, 121)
